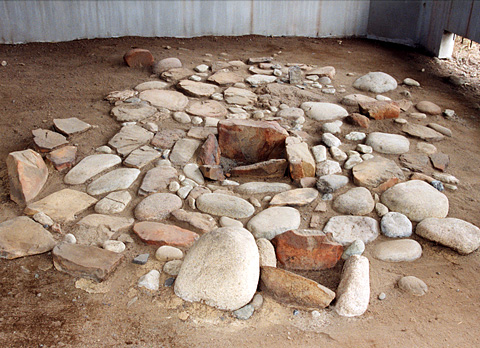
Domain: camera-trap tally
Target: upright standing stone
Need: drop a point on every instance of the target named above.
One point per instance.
(27, 174)
(251, 141)
(353, 293)
(138, 58)
(301, 161)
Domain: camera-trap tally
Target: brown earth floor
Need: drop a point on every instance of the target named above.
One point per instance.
(40, 307)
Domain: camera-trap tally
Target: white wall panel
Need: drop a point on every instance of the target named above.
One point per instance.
(54, 20)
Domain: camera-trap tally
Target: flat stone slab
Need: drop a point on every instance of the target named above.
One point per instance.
(202, 222)
(428, 108)
(113, 223)
(22, 236)
(85, 261)
(422, 132)
(346, 229)
(417, 200)
(69, 126)
(46, 140)
(184, 150)
(375, 171)
(294, 289)
(356, 201)
(376, 82)
(398, 250)
(62, 206)
(274, 168)
(391, 144)
(355, 99)
(141, 157)
(457, 234)
(118, 179)
(157, 206)
(259, 79)
(157, 179)
(221, 269)
(27, 174)
(207, 108)
(130, 138)
(331, 183)
(296, 197)
(151, 85)
(113, 203)
(260, 187)
(320, 111)
(197, 89)
(415, 162)
(239, 96)
(274, 221)
(156, 233)
(224, 205)
(223, 78)
(133, 112)
(90, 166)
(171, 100)
(166, 138)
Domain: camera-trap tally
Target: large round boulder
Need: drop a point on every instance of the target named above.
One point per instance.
(221, 269)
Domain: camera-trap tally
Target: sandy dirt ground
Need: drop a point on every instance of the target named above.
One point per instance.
(41, 307)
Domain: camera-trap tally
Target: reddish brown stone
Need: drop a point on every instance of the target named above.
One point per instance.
(295, 289)
(440, 161)
(300, 160)
(209, 153)
(387, 184)
(306, 252)
(212, 172)
(63, 158)
(423, 177)
(274, 168)
(249, 141)
(359, 120)
(160, 234)
(138, 58)
(166, 138)
(379, 110)
(85, 260)
(27, 174)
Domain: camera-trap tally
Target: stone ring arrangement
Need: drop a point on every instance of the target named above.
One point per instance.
(240, 159)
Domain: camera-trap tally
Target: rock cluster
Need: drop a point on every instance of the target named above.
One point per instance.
(241, 121)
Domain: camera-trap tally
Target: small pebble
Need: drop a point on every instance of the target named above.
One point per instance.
(169, 282)
(70, 238)
(141, 259)
(382, 296)
(438, 185)
(257, 301)
(244, 313)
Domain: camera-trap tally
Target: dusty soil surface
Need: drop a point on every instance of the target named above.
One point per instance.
(41, 307)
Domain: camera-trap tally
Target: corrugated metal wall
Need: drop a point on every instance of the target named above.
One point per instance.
(33, 21)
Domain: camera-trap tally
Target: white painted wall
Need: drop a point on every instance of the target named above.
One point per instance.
(52, 20)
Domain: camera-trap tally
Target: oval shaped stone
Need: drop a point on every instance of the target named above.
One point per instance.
(417, 200)
(224, 205)
(273, 221)
(157, 206)
(398, 250)
(90, 166)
